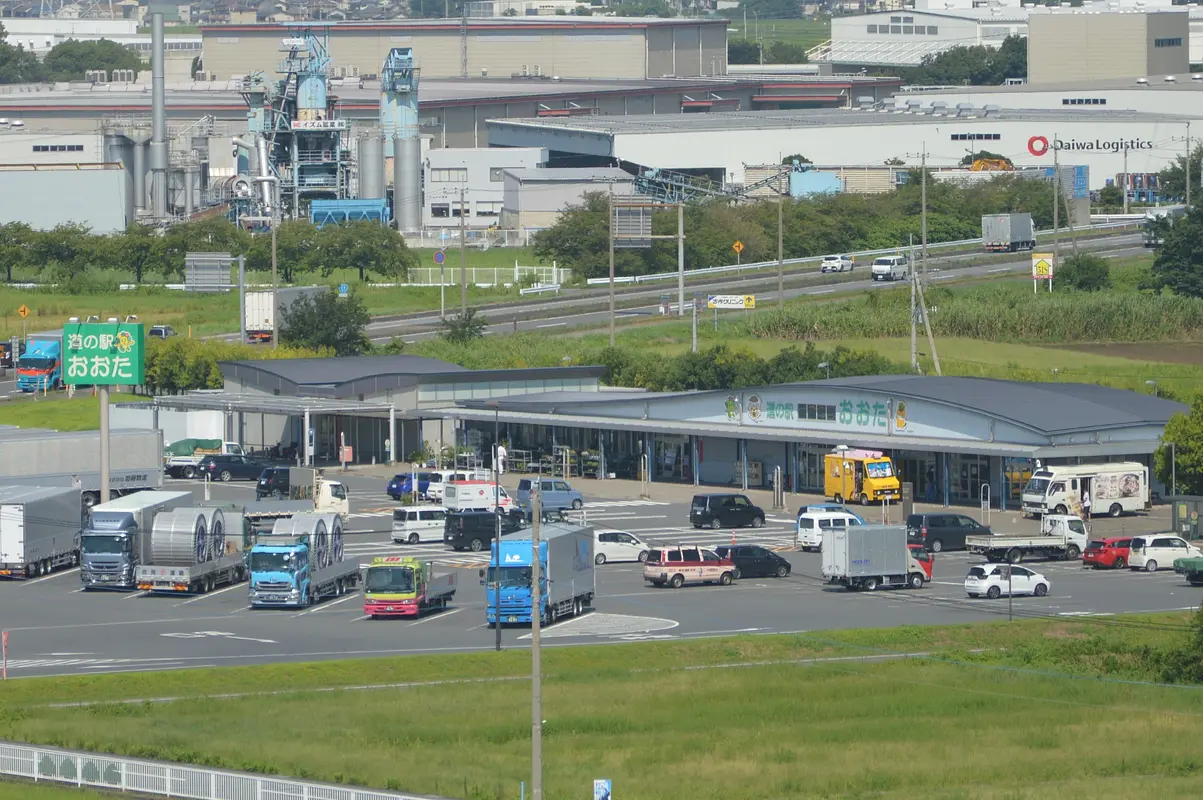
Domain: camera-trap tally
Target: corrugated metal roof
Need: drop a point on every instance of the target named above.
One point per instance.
(326, 371)
(571, 174)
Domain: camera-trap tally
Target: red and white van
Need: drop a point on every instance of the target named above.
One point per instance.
(476, 496)
(687, 563)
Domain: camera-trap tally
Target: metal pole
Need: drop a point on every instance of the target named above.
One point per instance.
(923, 202)
(275, 287)
(443, 288)
(914, 308)
(1126, 181)
(1188, 165)
(242, 297)
(681, 260)
(1010, 597)
(610, 228)
(780, 240)
(497, 514)
(695, 325)
(1174, 469)
(1056, 206)
(463, 268)
(536, 656)
(104, 443)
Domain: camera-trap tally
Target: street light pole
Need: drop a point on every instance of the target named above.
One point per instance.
(780, 236)
(463, 265)
(536, 655)
(827, 366)
(497, 514)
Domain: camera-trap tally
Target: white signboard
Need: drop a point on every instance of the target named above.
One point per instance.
(731, 301)
(319, 124)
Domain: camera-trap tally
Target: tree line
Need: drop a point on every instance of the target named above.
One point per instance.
(76, 259)
(66, 61)
(813, 226)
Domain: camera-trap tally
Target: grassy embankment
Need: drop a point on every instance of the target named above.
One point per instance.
(1026, 709)
(207, 314)
(805, 33)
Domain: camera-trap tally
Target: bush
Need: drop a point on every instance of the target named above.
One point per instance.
(1084, 272)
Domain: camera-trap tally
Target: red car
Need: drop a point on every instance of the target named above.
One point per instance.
(1111, 553)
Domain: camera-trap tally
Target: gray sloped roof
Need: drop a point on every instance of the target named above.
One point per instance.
(324, 371)
(1050, 408)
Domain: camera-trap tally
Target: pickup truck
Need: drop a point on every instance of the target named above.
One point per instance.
(1061, 537)
(1191, 569)
(183, 457)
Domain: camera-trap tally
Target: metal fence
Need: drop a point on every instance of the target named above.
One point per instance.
(758, 265)
(168, 780)
(448, 238)
(449, 275)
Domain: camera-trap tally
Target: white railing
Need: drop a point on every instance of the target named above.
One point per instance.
(729, 268)
(167, 780)
(540, 289)
(449, 275)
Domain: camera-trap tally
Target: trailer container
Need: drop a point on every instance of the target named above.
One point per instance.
(39, 530)
(72, 460)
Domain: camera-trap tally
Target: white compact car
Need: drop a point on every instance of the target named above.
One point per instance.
(991, 580)
(836, 264)
(412, 524)
(618, 546)
(1152, 552)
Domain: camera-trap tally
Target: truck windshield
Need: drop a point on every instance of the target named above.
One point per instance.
(510, 576)
(879, 469)
(36, 362)
(272, 562)
(103, 544)
(1036, 486)
(390, 579)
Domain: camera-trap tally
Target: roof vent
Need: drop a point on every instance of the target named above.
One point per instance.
(1142, 81)
(964, 109)
(913, 106)
(939, 108)
(865, 102)
(1197, 77)
(991, 111)
(1170, 79)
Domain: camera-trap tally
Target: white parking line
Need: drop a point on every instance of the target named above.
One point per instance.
(51, 576)
(320, 606)
(213, 594)
(143, 594)
(439, 615)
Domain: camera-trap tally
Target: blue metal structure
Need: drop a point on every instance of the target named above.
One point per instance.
(332, 212)
(398, 97)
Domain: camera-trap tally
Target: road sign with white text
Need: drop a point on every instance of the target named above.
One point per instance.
(343, 290)
(104, 354)
(731, 301)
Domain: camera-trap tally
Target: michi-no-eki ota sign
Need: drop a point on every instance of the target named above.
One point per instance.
(104, 354)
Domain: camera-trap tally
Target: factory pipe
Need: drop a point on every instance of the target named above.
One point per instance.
(265, 178)
(139, 148)
(189, 188)
(158, 104)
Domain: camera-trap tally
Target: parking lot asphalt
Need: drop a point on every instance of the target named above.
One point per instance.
(54, 628)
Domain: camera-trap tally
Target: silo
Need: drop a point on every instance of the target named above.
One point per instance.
(118, 151)
(371, 166)
(407, 183)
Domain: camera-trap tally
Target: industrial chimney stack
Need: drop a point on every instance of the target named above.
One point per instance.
(158, 105)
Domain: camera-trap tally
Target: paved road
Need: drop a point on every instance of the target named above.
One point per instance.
(558, 314)
(56, 629)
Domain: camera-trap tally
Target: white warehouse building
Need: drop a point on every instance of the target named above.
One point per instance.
(719, 145)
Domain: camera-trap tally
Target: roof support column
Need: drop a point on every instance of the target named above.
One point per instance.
(392, 435)
(947, 461)
(743, 462)
(601, 455)
(695, 461)
(308, 434)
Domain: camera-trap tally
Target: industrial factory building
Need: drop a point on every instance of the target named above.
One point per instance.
(718, 145)
(548, 47)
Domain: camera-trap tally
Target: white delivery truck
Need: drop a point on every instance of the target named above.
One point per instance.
(865, 557)
(1060, 537)
(476, 496)
(39, 530)
(1114, 489)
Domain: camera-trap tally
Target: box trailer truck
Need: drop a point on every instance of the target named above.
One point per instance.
(39, 530)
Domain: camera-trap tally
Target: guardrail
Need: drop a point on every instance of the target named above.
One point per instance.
(757, 265)
(539, 289)
(167, 780)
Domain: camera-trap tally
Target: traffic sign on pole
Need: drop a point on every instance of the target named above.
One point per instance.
(738, 247)
(343, 290)
(439, 256)
(717, 301)
(23, 311)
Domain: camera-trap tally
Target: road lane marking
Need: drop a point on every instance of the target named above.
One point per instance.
(552, 325)
(210, 594)
(331, 604)
(439, 615)
(51, 576)
(135, 594)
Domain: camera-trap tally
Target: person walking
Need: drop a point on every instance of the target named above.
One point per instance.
(501, 454)
(1085, 501)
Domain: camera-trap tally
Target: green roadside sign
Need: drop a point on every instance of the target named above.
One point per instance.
(104, 354)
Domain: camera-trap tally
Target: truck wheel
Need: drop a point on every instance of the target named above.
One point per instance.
(476, 545)
(577, 607)
(1060, 510)
(551, 615)
(994, 593)
(837, 497)
(677, 581)
(1072, 553)
(1014, 555)
(725, 579)
(1115, 510)
(915, 581)
(864, 499)
(599, 559)
(870, 584)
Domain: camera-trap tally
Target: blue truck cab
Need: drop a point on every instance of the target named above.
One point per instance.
(300, 562)
(280, 571)
(568, 581)
(41, 365)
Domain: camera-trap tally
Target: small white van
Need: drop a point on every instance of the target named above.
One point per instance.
(891, 268)
(413, 523)
(811, 527)
(618, 546)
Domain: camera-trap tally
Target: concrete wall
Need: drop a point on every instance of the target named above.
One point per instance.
(40, 147)
(483, 190)
(538, 204)
(1094, 46)
(45, 198)
(1172, 31)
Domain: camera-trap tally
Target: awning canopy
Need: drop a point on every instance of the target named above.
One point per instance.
(271, 404)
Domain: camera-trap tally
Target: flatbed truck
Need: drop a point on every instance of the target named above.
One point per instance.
(195, 550)
(300, 563)
(1062, 537)
(403, 586)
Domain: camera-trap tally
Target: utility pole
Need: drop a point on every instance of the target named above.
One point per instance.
(463, 268)
(1126, 180)
(536, 656)
(610, 236)
(923, 202)
(694, 331)
(1056, 207)
(680, 259)
(931, 340)
(914, 320)
(1188, 165)
(780, 235)
(275, 277)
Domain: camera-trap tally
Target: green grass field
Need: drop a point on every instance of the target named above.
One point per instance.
(80, 413)
(20, 790)
(1035, 708)
(803, 32)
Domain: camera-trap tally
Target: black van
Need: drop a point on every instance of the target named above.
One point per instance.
(473, 530)
(943, 531)
(724, 511)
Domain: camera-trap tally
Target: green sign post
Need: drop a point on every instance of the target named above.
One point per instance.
(104, 354)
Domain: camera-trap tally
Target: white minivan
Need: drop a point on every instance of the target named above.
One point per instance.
(812, 525)
(891, 268)
(1154, 551)
(618, 546)
(411, 524)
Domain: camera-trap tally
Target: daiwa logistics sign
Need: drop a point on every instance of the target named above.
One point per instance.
(1039, 145)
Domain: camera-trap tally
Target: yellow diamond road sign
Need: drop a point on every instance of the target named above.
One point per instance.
(23, 311)
(1042, 266)
(738, 246)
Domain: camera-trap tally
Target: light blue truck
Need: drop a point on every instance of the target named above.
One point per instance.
(568, 582)
(41, 365)
(301, 562)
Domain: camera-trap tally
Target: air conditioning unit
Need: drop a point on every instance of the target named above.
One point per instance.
(353, 72)
(537, 71)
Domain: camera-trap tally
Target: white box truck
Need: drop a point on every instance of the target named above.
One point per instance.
(1006, 233)
(72, 460)
(39, 530)
(865, 557)
(263, 309)
(1114, 489)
